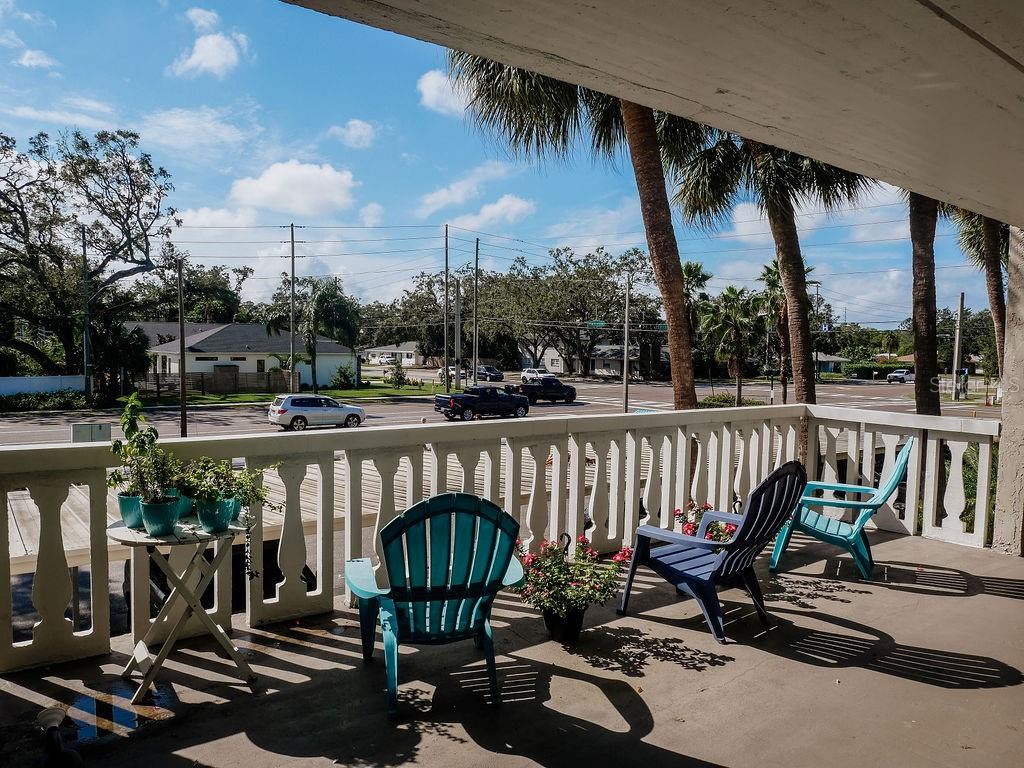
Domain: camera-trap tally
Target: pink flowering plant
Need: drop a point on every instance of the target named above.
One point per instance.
(558, 584)
(691, 517)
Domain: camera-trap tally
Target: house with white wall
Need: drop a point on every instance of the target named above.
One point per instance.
(405, 351)
(246, 348)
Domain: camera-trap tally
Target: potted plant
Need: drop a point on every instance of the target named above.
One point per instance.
(219, 492)
(159, 475)
(563, 588)
(131, 451)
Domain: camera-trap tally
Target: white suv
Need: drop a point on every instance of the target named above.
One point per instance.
(386, 360)
(533, 374)
(296, 412)
(903, 376)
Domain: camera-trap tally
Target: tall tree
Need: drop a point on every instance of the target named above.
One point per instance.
(985, 241)
(924, 214)
(772, 301)
(710, 183)
(728, 321)
(325, 310)
(48, 193)
(541, 116)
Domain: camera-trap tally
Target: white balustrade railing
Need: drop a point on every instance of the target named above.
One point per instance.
(555, 474)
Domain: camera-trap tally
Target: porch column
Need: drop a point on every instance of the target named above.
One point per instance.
(1008, 531)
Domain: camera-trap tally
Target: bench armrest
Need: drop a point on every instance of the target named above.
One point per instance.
(822, 486)
(819, 501)
(360, 579)
(515, 575)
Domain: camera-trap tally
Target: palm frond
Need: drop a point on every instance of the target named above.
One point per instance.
(708, 183)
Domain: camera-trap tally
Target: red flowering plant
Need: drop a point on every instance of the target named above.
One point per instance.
(691, 517)
(559, 584)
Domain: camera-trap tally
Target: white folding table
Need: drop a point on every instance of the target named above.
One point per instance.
(187, 533)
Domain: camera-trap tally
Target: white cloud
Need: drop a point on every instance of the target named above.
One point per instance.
(193, 130)
(33, 59)
(219, 217)
(462, 190)
(57, 116)
(438, 94)
(8, 8)
(88, 105)
(214, 54)
(507, 209)
(202, 19)
(371, 214)
(8, 39)
(586, 229)
(356, 134)
(302, 189)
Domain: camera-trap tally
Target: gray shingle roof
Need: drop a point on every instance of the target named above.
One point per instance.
(405, 346)
(155, 329)
(245, 337)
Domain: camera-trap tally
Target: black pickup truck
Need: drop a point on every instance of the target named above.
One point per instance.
(547, 388)
(481, 401)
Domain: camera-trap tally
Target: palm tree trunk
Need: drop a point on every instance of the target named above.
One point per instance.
(792, 273)
(994, 281)
(645, 154)
(924, 214)
(784, 354)
(312, 369)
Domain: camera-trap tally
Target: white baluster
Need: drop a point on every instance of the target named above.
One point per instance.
(577, 485)
(616, 490)
(51, 585)
(954, 501)
(386, 464)
(597, 509)
(535, 521)
(291, 550)
(558, 517)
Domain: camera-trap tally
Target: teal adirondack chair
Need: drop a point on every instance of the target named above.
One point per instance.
(849, 536)
(442, 590)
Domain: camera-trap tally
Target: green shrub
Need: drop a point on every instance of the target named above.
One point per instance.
(62, 399)
(396, 375)
(343, 378)
(726, 401)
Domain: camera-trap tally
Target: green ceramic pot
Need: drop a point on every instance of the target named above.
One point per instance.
(184, 502)
(214, 516)
(131, 509)
(159, 516)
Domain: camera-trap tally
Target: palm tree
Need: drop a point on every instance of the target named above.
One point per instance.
(541, 116)
(772, 302)
(924, 215)
(728, 321)
(325, 311)
(710, 183)
(695, 280)
(986, 243)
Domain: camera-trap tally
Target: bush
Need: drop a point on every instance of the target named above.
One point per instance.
(61, 400)
(343, 378)
(862, 370)
(726, 401)
(396, 375)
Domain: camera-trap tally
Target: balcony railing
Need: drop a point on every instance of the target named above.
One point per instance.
(556, 474)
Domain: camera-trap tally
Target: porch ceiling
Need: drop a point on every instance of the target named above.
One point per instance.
(925, 94)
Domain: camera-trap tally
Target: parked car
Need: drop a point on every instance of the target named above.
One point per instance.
(902, 376)
(453, 372)
(296, 412)
(481, 401)
(489, 373)
(386, 360)
(531, 374)
(548, 388)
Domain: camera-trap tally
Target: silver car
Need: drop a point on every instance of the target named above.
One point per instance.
(296, 412)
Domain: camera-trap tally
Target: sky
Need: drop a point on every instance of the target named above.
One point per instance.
(267, 114)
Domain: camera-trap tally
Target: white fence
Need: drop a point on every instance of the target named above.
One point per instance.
(554, 474)
(15, 385)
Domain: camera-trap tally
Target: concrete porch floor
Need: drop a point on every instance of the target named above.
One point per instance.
(921, 667)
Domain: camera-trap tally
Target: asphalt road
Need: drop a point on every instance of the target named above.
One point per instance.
(594, 398)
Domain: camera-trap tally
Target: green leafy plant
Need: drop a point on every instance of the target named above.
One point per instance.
(343, 378)
(691, 517)
(396, 375)
(558, 584)
(134, 451)
(726, 401)
(60, 400)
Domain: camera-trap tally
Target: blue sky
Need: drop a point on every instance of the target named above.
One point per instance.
(267, 114)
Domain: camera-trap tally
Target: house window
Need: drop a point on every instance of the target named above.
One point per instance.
(553, 364)
(163, 363)
(261, 366)
(239, 359)
(408, 355)
(206, 359)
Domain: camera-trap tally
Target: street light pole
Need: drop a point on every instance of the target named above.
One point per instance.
(447, 378)
(88, 315)
(956, 349)
(291, 316)
(181, 350)
(625, 349)
(476, 327)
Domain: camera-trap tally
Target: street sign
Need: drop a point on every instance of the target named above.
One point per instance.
(596, 323)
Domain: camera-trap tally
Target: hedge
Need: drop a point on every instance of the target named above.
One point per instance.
(726, 401)
(863, 370)
(62, 399)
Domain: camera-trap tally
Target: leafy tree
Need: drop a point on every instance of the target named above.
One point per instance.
(47, 194)
(710, 182)
(772, 301)
(322, 310)
(541, 116)
(729, 321)
(212, 294)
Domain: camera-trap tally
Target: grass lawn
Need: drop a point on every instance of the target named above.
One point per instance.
(369, 389)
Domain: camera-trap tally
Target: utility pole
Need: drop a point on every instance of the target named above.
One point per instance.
(181, 350)
(956, 348)
(817, 341)
(88, 315)
(447, 378)
(458, 333)
(476, 327)
(625, 350)
(291, 317)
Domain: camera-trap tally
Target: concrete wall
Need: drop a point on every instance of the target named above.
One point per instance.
(13, 385)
